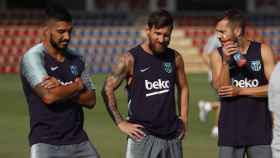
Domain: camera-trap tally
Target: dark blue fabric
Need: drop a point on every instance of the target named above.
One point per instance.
(62, 122)
(246, 120)
(151, 94)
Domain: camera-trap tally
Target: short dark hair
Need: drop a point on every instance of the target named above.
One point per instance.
(160, 18)
(235, 17)
(58, 12)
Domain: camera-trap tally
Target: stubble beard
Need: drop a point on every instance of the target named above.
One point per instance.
(55, 45)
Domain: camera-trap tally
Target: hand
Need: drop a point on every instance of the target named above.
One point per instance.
(50, 82)
(182, 129)
(80, 83)
(229, 48)
(228, 91)
(133, 130)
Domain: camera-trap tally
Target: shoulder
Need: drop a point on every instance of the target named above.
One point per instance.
(265, 47)
(127, 58)
(34, 53)
(134, 49)
(266, 52)
(32, 65)
(177, 54)
(178, 58)
(134, 52)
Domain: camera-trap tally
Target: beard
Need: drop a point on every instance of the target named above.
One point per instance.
(56, 44)
(157, 49)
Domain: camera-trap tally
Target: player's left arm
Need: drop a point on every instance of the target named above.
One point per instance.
(183, 89)
(87, 98)
(261, 91)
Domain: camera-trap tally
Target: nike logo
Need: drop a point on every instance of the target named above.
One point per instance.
(54, 68)
(143, 70)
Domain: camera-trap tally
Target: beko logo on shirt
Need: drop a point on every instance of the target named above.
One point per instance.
(246, 83)
(159, 84)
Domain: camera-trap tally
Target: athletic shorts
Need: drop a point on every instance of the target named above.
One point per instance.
(257, 151)
(154, 147)
(82, 150)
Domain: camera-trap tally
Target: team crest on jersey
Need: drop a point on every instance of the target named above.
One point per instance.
(256, 65)
(167, 67)
(74, 69)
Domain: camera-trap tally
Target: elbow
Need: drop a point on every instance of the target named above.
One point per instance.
(216, 84)
(106, 90)
(91, 104)
(48, 99)
(216, 87)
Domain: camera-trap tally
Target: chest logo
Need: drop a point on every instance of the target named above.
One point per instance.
(256, 65)
(245, 83)
(74, 69)
(167, 67)
(54, 68)
(145, 69)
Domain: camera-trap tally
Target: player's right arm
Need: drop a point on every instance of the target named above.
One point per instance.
(220, 70)
(120, 71)
(47, 87)
(205, 59)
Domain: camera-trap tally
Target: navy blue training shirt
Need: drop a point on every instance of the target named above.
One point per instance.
(246, 120)
(62, 122)
(151, 94)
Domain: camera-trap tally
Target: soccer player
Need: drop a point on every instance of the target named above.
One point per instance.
(152, 71)
(57, 86)
(245, 123)
(213, 43)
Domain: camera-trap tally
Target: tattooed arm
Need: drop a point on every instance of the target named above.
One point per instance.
(121, 70)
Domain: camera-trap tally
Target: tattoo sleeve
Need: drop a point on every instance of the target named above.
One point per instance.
(112, 82)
